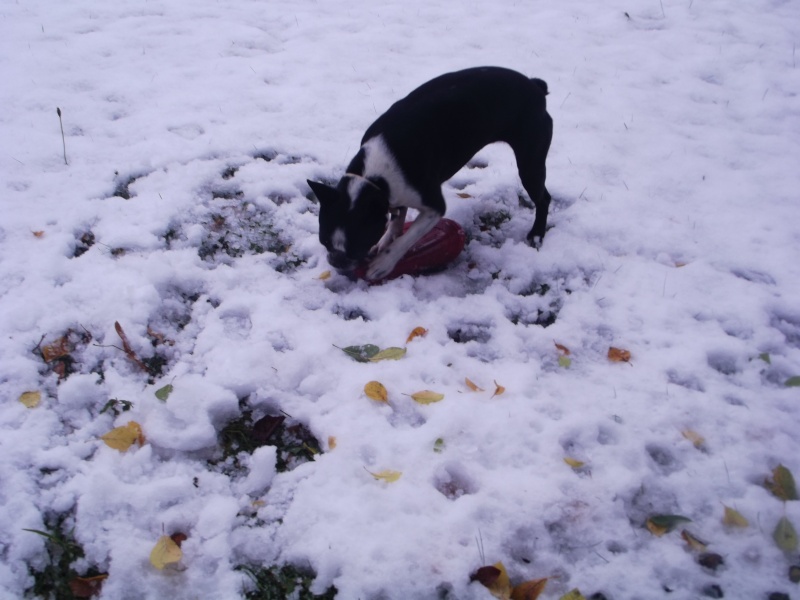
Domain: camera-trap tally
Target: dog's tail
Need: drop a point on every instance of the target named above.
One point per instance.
(541, 83)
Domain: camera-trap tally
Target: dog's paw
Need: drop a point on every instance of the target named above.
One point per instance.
(380, 267)
(535, 241)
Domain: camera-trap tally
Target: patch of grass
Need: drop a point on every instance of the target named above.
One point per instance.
(294, 441)
(57, 578)
(279, 583)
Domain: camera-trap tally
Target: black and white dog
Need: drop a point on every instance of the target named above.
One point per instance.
(418, 144)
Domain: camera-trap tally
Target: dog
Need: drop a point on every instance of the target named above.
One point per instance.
(418, 144)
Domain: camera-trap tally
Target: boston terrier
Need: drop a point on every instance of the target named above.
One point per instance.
(418, 144)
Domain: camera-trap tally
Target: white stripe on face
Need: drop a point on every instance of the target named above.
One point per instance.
(338, 239)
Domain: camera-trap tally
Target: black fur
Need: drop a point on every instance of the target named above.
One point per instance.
(431, 134)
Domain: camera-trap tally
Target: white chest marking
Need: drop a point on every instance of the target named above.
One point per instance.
(379, 162)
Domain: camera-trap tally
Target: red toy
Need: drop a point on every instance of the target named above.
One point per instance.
(439, 247)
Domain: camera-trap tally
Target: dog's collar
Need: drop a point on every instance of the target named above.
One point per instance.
(362, 178)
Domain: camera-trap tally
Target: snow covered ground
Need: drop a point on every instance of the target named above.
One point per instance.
(183, 215)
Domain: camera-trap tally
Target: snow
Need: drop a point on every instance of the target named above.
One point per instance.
(674, 175)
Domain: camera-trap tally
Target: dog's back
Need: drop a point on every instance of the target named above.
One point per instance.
(439, 126)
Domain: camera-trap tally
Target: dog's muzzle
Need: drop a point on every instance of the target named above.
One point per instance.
(341, 262)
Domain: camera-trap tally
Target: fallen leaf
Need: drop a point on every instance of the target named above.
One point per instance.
(416, 332)
(618, 355)
(765, 357)
(265, 427)
(792, 381)
(122, 438)
(386, 475)
(495, 579)
(710, 560)
(427, 397)
(680, 264)
(658, 525)
(86, 587)
(563, 349)
(782, 484)
(331, 442)
(439, 445)
(564, 362)
(325, 275)
(472, 386)
(38, 234)
(179, 538)
(57, 349)
(31, 399)
(389, 354)
(164, 392)
(575, 464)
(361, 353)
(498, 389)
(463, 195)
(376, 391)
(694, 543)
(785, 535)
(529, 590)
(126, 347)
(573, 595)
(733, 518)
(697, 440)
(165, 552)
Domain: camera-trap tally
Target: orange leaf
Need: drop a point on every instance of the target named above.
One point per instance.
(618, 355)
(58, 349)
(331, 442)
(499, 389)
(472, 385)
(38, 234)
(529, 590)
(325, 275)
(561, 348)
(417, 332)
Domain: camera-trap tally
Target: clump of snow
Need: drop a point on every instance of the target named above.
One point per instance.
(184, 215)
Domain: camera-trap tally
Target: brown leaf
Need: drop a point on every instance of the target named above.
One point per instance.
(86, 587)
(486, 576)
(416, 332)
(693, 542)
(697, 440)
(529, 590)
(463, 195)
(331, 442)
(57, 349)
(495, 579)
(618, 355)
(265, 427)
(179, 538)
(126, 347)
(38, 234)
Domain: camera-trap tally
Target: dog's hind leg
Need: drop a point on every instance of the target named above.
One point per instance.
(530, 150)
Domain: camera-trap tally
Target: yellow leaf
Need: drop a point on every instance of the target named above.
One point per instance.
(31, 399)
(575, 464)
(324, 275)
(618, 355)
(165, 552)
(499, 389)
(331, 442)
(427, 397)
(733, 518)
(376, 391)
(472, 385)
(122, 438)
(694, 543)
(393, 353)
(386, 475)
(573, 595)
(698, 440)
(501, 588)
(529, 590)
(416, 332)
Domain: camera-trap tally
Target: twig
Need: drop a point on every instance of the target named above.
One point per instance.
(126, 347)
(63, 140)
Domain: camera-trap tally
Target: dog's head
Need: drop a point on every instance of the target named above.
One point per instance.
(352, 218)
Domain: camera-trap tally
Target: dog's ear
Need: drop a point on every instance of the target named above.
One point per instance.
(324, 193)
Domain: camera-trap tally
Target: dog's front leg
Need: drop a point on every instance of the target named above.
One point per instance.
(393, 231)
(384, 263)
